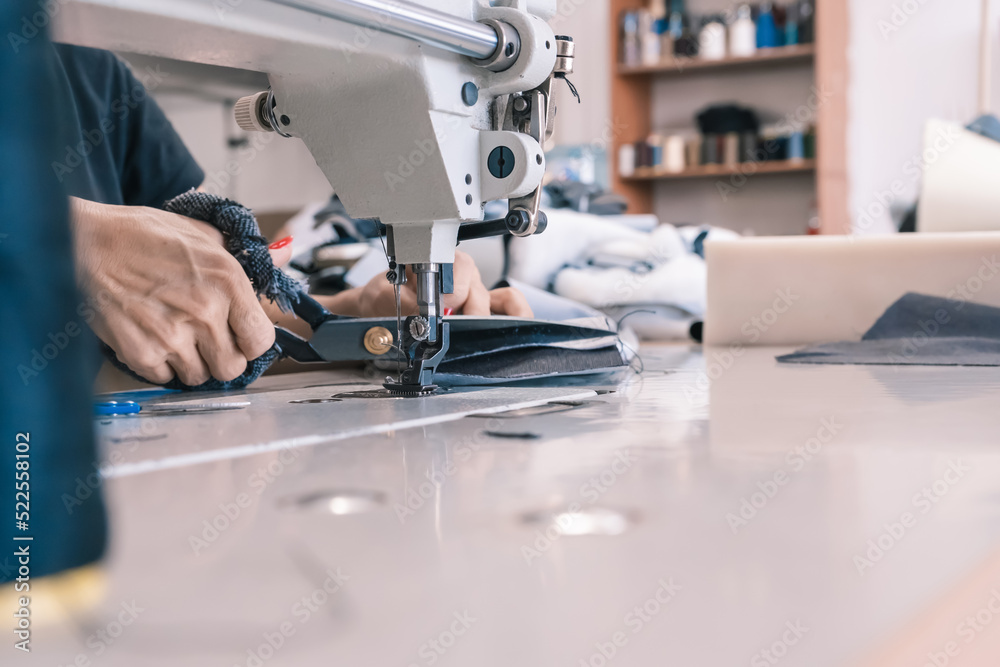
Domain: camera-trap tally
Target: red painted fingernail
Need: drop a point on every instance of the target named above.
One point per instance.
(449, 312)
(278, 245)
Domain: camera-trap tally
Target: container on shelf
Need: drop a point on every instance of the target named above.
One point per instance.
(743, 34)
(712, 39)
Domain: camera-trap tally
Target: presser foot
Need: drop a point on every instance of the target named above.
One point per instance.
(417, 379)
(414, 391)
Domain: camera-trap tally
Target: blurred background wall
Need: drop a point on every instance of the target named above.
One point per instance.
(926, 67)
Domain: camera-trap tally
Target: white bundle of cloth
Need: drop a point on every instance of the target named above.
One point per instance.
(655, 278)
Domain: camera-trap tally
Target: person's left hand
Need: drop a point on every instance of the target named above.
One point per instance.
(470, 296)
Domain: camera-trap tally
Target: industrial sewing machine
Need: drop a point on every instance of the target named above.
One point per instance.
(418, 113)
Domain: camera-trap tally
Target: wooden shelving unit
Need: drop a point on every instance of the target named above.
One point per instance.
(632, 109)
(769, 57)
(716, 170)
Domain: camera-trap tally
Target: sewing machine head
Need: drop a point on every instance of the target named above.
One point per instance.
(418, 113)
(421, 137)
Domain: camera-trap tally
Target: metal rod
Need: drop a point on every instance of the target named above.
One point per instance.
(422, 24)
(428, 298)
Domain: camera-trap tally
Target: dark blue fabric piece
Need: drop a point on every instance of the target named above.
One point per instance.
(936, 317)
(987, 126)
(918, 330)
(245, 243)
(120, 148)
(698, 247)
(46, 349)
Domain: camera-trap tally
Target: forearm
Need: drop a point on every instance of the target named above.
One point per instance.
(90, 237)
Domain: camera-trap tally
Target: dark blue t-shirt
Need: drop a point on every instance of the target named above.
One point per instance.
(120, 148)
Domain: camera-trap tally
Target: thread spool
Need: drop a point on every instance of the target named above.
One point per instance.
(797, 146)
(626, 160)
(748, 147)
(710, 153)
(656, 144)
(731, 154)
(674, 158)
(693, 147)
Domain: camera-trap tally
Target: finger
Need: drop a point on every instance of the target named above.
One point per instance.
(465, 273)
(251, 328)
(160, 373)
(141, 354)
(478, 303)
(187, 363)
(407, 302)
(387, 301)
(218, 348)
(281, 251)
(281, 256)
(509, 301)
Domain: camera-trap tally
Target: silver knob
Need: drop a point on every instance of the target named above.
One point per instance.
(250, 114)
(565, 52)
(420, 328)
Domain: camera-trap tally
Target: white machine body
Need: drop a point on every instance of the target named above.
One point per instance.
(384, 116)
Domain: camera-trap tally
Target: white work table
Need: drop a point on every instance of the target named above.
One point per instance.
(458, 570)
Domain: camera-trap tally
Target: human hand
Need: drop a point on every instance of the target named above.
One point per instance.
(172, 300)
(470, 296)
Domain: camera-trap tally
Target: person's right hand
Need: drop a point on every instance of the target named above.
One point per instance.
(170, 299)
(469, 295)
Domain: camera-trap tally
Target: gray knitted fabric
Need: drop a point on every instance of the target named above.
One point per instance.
(245, 243)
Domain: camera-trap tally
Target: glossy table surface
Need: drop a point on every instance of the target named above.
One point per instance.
(716, 509)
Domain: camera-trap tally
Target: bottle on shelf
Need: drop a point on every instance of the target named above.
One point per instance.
(685, 39)
(666, 39)
(807, 21)
(792, 24)
(649, 40)
(631, 49)
(767, 28)
(743, 33)
(780, 14)
(675, 25)
(712, 39)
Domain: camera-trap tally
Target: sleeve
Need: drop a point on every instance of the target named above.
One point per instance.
(157, 166)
